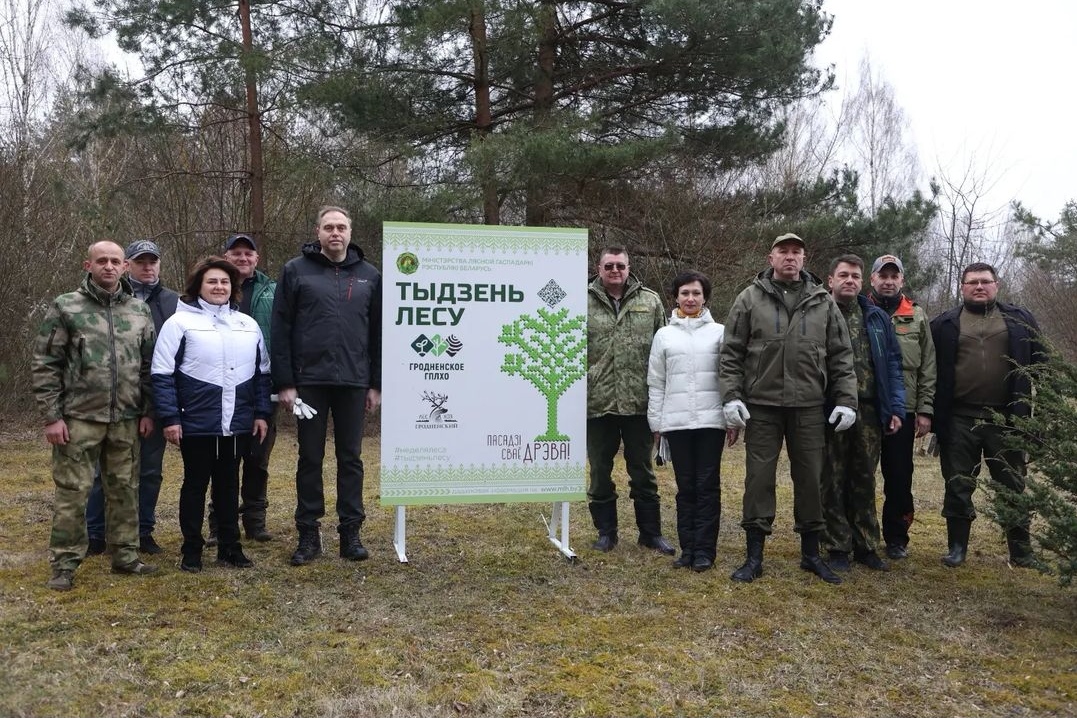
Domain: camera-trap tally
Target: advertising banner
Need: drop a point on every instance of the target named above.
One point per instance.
(484, 364)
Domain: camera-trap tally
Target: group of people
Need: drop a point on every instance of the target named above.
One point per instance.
(124, 365)
(845, 379)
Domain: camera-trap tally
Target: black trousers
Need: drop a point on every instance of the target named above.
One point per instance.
(697, 460)
(210, 461)
(348, 406)
(897, 468)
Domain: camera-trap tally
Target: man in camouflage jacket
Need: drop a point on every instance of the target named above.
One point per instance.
(91, 374)
(622, 318)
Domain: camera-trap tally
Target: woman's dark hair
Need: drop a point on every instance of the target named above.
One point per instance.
(194, 280)
(687, 278)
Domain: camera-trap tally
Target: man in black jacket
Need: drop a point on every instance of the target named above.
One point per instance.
(981, 347)
(144, 273)
(326, 354)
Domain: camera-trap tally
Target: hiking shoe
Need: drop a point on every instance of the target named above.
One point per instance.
(234, 558)
(191, 564)
(146, 544)
(839, 561)
(135, 568)
(872, 561)
(259, 534)
(896, 552)
(62, 580)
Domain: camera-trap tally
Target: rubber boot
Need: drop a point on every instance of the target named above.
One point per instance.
(604, 516)
(1020, 545)
(649, 521)
(957, 538)
(809, 558)
(753, 562)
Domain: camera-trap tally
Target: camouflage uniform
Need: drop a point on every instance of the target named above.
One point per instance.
(91, 368)
(618, 350)
(848, 487)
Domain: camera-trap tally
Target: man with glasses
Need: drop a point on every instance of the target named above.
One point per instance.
(622, 318)
(981, 347)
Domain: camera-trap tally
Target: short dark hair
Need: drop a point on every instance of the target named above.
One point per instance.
(327, 208)
(687, 277)
(611, 249)
(193, 288)
(846, 259)
(979, 267)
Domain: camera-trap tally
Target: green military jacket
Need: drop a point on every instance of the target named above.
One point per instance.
(775, 359)
(262, 293)
(619, 346)
(92, 356)
(917, 356)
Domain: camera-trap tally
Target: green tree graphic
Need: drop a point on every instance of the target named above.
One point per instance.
(553, 351)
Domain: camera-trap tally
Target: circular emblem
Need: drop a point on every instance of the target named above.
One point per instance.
(407, 263)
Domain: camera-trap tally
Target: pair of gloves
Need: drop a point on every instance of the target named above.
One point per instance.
(301, 410)
(736, 415)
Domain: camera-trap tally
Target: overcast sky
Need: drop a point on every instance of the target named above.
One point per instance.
(983, 81)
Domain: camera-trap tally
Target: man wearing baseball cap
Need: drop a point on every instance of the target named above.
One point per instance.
(144, 274)
(786, 355)
(918, 367)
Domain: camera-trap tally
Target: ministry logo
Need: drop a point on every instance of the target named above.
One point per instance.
(407, 263)
(436, 345)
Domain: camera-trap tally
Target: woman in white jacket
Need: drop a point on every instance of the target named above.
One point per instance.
(211, 387)
(685, 407)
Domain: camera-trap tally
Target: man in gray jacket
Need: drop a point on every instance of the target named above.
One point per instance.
(786, 355)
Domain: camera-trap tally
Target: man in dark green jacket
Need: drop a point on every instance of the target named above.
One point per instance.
(622, 318)
(786, 355)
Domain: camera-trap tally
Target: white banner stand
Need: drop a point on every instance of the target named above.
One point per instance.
(559, 521)
(557, 528)
(400, 535)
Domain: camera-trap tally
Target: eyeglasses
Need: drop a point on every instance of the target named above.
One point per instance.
(614, 265)
(979, 282)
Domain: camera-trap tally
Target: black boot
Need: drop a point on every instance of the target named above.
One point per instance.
(684, 560)
(649, 521)
(604, 516)
(351, 547)
(232, 555)
(1020, 545)
(310, 546)
(753, 563)
(255, 528)
(957, 538)
(809, 558)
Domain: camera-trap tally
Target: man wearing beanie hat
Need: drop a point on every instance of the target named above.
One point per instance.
(144, 274)
(918, 366)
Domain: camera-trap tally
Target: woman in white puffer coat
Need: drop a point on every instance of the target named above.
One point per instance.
(685, 407)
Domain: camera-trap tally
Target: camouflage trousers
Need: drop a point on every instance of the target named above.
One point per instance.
(848, 485)
(115, 446)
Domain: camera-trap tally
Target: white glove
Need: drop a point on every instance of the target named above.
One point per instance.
(303, 411)
(736, 414)
(843, 416)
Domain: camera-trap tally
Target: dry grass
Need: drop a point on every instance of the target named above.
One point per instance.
(488, 619)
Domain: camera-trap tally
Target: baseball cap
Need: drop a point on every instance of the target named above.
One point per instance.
(788, 237)
(239, 237)
(884, 260)
(140, 247)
